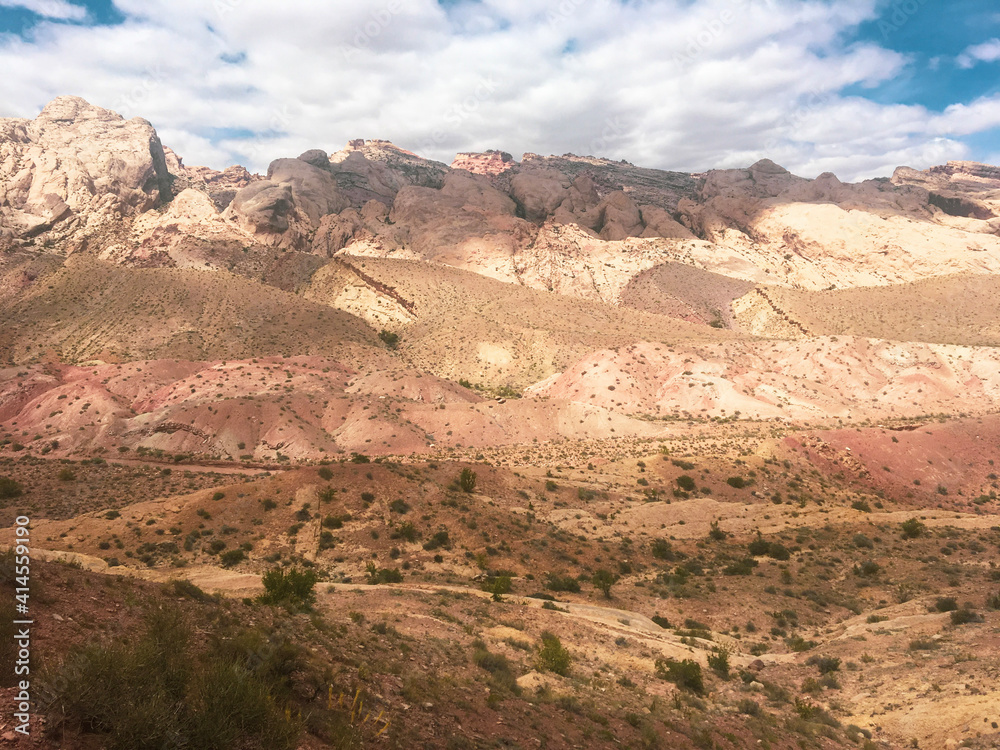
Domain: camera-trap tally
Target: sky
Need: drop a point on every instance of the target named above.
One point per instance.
(854, 87)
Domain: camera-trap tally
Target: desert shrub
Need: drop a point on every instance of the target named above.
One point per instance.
(603, 580)
(964, 616)
(184, 588)
(66, 475)
(216, 546)
(325, 473)
(742, 567)
(467, 480)
(748, 707)
(268, 504)
(218, 495)
(861, 505)
(718, 662)
(440, 539)
(378, 575)
(759, 546)
(913, 528)
(399, 505)
(778, 551)
(390, 339)
(825, 664)
(407, 531)
(685, 482)
(867, 569)
(502, 677)
(862, 542)
(715, 533)
(9, 488)
(663, 550)
(497, 586)
(232, 557)
(663, 622)
(293, 588)
(552, 656)
(154, 691)
(555, 582)
(685, 674)
(737, 482)
(923, 644)
(993, 601)
(359, 458)
(946, 604)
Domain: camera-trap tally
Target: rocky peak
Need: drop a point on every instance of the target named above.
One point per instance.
(489, 162)
(74, 162)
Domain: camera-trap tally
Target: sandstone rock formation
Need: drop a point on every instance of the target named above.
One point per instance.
(74, 167)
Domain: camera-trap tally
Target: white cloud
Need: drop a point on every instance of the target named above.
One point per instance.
(58, 9)
(986, 52)
(670, 84)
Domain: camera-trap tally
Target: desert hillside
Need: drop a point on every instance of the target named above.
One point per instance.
(553, 452)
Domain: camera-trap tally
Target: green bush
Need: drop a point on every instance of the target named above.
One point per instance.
(232, 557)
(867, 569)
(742, 567)
(293, 588)
(378, 575)
(467, 480)
(325, 473)
(390, 339)
(946, 604)
(552, 656)
(440, 539)
(663, 550)
(913, 528)
(603, 580)
(718, 662)
(737, 482)
(685, 674)
(686, 483)
(9, 488)
(155, 692)
(964, 616)
(557, 582)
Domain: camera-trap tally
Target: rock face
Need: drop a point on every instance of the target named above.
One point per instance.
(77, 165)
(79, 176)
(489, 163)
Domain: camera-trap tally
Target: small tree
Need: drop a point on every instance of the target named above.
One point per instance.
(718, 661)
(604, 579)
(552, 657)
(467, 480)
(498, 587)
